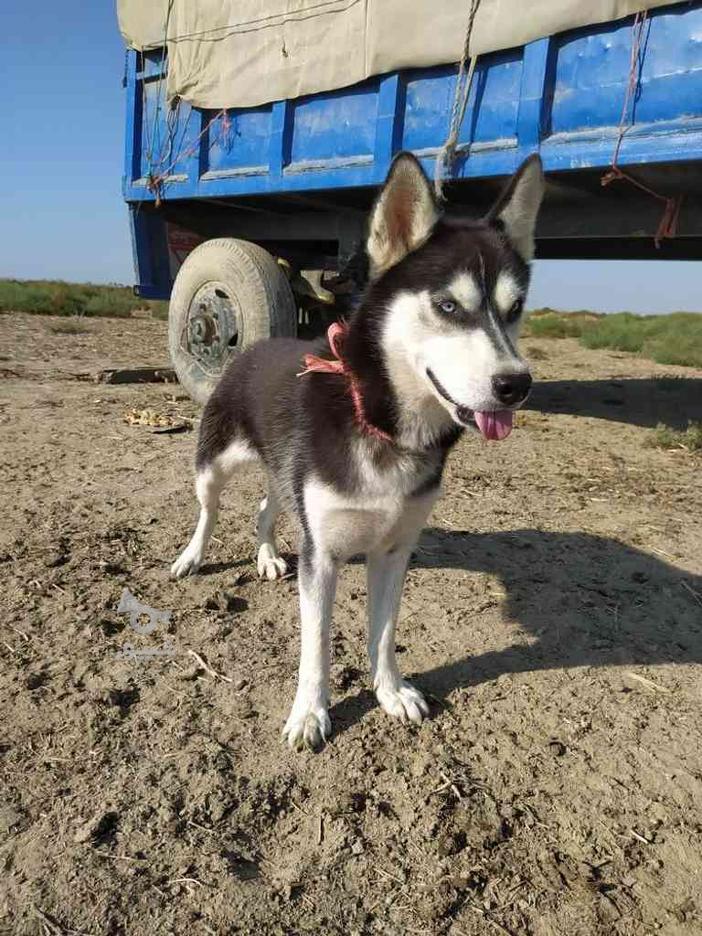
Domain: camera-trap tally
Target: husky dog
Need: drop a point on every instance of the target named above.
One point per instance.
(353, 432)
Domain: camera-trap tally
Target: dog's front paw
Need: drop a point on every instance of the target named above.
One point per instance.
(308, 726)
(403, 702)
(269, 563)
(187, 563)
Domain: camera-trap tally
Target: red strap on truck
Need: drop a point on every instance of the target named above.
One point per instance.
(668, 225)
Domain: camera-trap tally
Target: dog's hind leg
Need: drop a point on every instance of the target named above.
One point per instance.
(210, 481)
(386, 576)
(269, 563)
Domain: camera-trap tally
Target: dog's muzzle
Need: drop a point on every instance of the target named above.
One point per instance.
(509, 389)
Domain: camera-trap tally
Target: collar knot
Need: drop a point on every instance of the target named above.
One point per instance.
(336, 335)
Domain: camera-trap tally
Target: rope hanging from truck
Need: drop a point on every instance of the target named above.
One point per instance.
(668, 225)
(162, 164)
(464, 80)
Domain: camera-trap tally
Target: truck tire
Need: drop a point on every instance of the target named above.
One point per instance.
(228, 294)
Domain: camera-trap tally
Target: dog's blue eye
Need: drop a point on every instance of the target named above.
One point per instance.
(516, 310)
(448, 306)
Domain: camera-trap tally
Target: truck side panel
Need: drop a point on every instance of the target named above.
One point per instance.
(562, 95)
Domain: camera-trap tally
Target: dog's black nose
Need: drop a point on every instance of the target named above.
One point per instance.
(511, 388)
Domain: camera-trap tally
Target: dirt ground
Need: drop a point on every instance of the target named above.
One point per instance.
(553, 613)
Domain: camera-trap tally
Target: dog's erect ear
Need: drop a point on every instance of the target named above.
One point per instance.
(403, 216)
(519, 204)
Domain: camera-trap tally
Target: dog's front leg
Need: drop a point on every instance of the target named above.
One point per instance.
(309, 723)
(386, 576)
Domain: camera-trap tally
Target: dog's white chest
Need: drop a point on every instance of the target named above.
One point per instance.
(382, 515)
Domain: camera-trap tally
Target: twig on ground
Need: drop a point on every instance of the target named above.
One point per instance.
(208, 669)
(661, 552)
(197, 825)
(646, 682)
(387, 874)
(22, 634)
(695, 595)
(439, 789)
(454, 789)
(641, 838)
(116, 857)
(509, 897)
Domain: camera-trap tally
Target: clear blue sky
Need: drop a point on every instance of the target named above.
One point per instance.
(61, 213)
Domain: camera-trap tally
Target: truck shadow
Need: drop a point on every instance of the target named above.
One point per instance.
(646, 402)
(581, 599)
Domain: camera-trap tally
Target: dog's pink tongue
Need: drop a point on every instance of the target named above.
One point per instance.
(495, 425)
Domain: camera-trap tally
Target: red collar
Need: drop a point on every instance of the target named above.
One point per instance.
(336, 334)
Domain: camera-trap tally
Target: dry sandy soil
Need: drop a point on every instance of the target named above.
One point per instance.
(553, 612)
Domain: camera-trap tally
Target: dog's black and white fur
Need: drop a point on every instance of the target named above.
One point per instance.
(432, 342)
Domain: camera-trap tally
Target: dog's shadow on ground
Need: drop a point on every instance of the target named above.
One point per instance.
(673, 401)
(581, 599)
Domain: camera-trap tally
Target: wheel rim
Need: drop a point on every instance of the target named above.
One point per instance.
(213, 328)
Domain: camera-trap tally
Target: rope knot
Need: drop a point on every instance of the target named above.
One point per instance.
(337, 334)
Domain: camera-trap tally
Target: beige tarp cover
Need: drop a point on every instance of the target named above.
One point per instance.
(240, 53)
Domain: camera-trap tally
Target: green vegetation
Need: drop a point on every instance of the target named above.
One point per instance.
(689, 439)
(667, 339)
(547, 323)
(54, 297)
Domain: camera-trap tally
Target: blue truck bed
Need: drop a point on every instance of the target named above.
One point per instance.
(298, 175)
